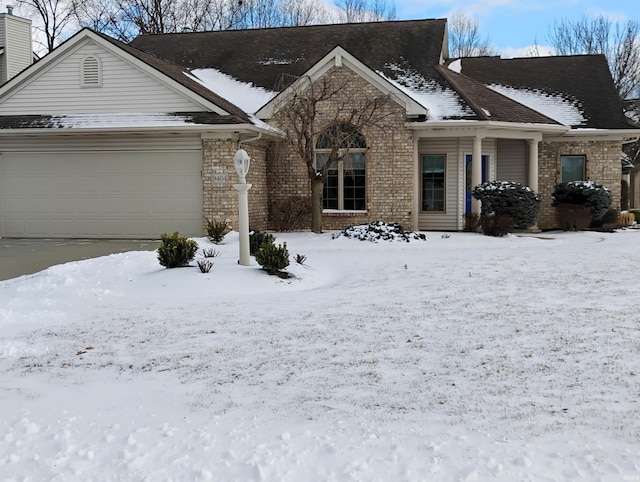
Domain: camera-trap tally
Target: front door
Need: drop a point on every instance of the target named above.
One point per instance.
(468, 178)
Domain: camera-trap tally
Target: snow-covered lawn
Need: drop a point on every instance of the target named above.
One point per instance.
(460, 358)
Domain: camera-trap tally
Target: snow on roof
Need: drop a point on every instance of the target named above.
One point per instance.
(245, 95)
(441, 102)
(119, 120)
(557, 107)
(456, 66)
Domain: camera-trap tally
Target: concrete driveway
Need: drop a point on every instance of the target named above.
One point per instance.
(26, 256)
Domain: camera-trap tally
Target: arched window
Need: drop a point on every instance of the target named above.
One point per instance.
(91, 75)
(345, 187)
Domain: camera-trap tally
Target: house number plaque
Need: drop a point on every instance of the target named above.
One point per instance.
(220, 178)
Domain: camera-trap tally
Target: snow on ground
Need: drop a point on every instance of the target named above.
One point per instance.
(460, 358)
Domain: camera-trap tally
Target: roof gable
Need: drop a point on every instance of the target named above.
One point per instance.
(133, 82)
(339, 57)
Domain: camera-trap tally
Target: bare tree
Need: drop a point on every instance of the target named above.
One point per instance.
(464, 37)
(52, 17)
(323, 113)
(619, 42)
(354, 11)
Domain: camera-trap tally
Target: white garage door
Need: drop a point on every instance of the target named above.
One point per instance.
(136, 194)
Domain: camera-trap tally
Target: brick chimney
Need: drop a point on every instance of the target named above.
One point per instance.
(16, 50)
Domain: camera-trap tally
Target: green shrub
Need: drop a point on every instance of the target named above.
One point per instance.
(573, 217)
(176, 251)
(636, 213)
(256, 238)
(519, 202)
(591, 194)
(217, 230)
(273, 259)
(497, 225)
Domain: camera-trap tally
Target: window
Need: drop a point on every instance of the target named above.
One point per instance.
(433, 171)
(345, 186)
(91, 72)
(572, 168)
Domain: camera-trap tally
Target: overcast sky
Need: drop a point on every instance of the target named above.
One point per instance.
(513, 25)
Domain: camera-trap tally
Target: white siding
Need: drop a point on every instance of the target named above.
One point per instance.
(455, 149)
(449, 220)
(125, 88)
(18, 48)
(512, 160)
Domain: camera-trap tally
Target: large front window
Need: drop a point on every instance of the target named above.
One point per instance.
(345, 185)
(433, 171)
(572, 168)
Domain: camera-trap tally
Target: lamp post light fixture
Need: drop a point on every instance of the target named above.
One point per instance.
(241, 161)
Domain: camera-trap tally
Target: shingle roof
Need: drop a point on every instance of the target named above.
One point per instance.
(489, 105)
(584, 79)
(113, 120)
(272, 58)
(180, 75)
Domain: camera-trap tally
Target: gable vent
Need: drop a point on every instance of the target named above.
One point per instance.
(91, 72)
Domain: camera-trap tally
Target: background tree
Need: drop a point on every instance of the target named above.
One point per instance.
(465, 39)
(618, 41)
(354, 11)
(50, 17)
(324, 108)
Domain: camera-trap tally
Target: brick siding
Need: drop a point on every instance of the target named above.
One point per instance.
(602, 166)
(389, 160)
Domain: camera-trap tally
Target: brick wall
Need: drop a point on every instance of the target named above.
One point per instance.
(220, 199)
(389, 160)
(602, 166)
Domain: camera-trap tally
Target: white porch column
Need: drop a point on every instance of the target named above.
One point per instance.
(532, 177)
(476, 171)
(417, 196)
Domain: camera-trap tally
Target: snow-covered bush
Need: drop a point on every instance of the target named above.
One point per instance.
(590, 194)
(505, 198)
(377, 231)
(271, 258)
(176, 251)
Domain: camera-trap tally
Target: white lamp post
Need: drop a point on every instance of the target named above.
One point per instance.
(241, 161)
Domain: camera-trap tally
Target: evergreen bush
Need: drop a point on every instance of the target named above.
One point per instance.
(519, 202)
(176, 251)
(590, 194)
(256, 238)
(217, 230)
(273, 259)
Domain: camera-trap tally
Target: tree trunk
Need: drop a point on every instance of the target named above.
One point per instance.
(316, 205)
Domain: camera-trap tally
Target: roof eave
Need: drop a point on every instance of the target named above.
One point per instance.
(486, 127)
(137, 129)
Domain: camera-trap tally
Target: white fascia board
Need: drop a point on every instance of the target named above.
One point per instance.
(622, 135)
(339, 57)
(204, 129)
(471, 128)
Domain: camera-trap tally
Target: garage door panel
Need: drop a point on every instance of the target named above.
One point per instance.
(118, 194)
